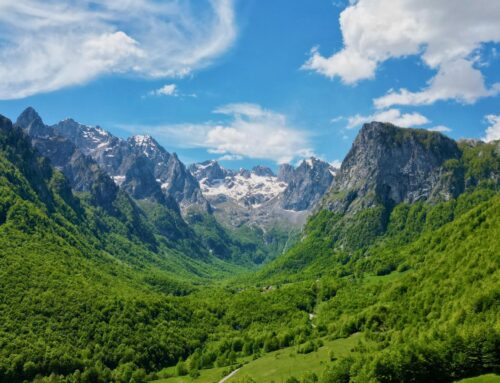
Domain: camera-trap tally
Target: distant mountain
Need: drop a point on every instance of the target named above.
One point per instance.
(260, 196)
(306, 184)
(81, 170)
(139, 164)
(249, 188)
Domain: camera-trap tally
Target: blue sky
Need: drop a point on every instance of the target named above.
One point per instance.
(254, 82)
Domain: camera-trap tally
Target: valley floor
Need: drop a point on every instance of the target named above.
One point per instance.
(278, 365)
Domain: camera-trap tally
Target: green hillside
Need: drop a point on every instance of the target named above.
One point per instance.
(132, 292)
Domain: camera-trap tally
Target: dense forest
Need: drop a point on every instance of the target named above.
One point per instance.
(122, 292)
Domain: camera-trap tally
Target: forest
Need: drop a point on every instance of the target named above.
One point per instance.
(129, 292)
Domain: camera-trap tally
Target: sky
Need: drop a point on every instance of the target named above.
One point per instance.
(254, 81)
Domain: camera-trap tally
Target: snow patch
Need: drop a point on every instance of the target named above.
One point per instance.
(252, 190)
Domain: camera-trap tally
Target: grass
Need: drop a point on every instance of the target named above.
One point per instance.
(277, 366)
(212, 375)
(489, 378)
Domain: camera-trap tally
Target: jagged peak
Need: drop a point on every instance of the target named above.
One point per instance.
(144, 140)
(5, 123)
(263, 171)
(28, 116)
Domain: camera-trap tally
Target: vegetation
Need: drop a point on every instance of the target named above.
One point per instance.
(130, 292)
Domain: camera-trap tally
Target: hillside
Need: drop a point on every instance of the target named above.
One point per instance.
(402, 258)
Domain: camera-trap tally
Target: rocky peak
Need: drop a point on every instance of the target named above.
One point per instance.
(86, 138)
(285, 172)
(390, 165)
(263, 171)
(306, 184)
(81, 171)
(208, 171)
(31, 122)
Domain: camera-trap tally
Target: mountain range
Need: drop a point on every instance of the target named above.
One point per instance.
(120, 264)
(145, 170)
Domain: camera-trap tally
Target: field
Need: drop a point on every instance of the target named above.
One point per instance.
(277, 366)
(489, 378)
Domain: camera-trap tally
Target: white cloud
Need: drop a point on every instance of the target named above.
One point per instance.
(166, 90)
(445, 34)
(251, 131)
(48, 45)
(493, 131)
(230, 157)
(440, 128)
(457, 80)
(393, 116)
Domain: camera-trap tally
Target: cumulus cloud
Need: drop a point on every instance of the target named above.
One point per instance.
(48, 45)
(393, 116)
(493, 131)
(166, 90)
(444, 34)
(456, 80)
(251, 131)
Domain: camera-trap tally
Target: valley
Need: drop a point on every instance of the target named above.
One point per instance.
(120, 263)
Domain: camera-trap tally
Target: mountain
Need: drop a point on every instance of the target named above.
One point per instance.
(388, 185)
(306, 184)
(82, 171)
(401, 249)
(139, 164)
(396, 283)
(249, 188)
(260, 197)
(390, 165)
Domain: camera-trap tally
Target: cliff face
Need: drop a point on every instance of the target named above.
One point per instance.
(139, 165)
(306, 184)
(82, 172)
(388, 165)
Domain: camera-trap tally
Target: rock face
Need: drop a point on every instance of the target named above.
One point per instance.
(87, 154)
(390, 165)
(139, 165)
(82, 171)
(259, 196)
(306, 184)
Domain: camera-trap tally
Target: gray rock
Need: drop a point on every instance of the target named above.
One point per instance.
(306, 184)
(139, 164)
(82, 172)
(390, 165)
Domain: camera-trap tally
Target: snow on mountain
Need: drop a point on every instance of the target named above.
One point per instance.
(249, 188)
(297, 188)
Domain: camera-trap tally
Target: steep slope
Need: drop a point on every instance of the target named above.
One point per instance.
(390, 165)
(391, 183)
(306, 184)
(83, 289)
(139, 164)
(82, 171)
